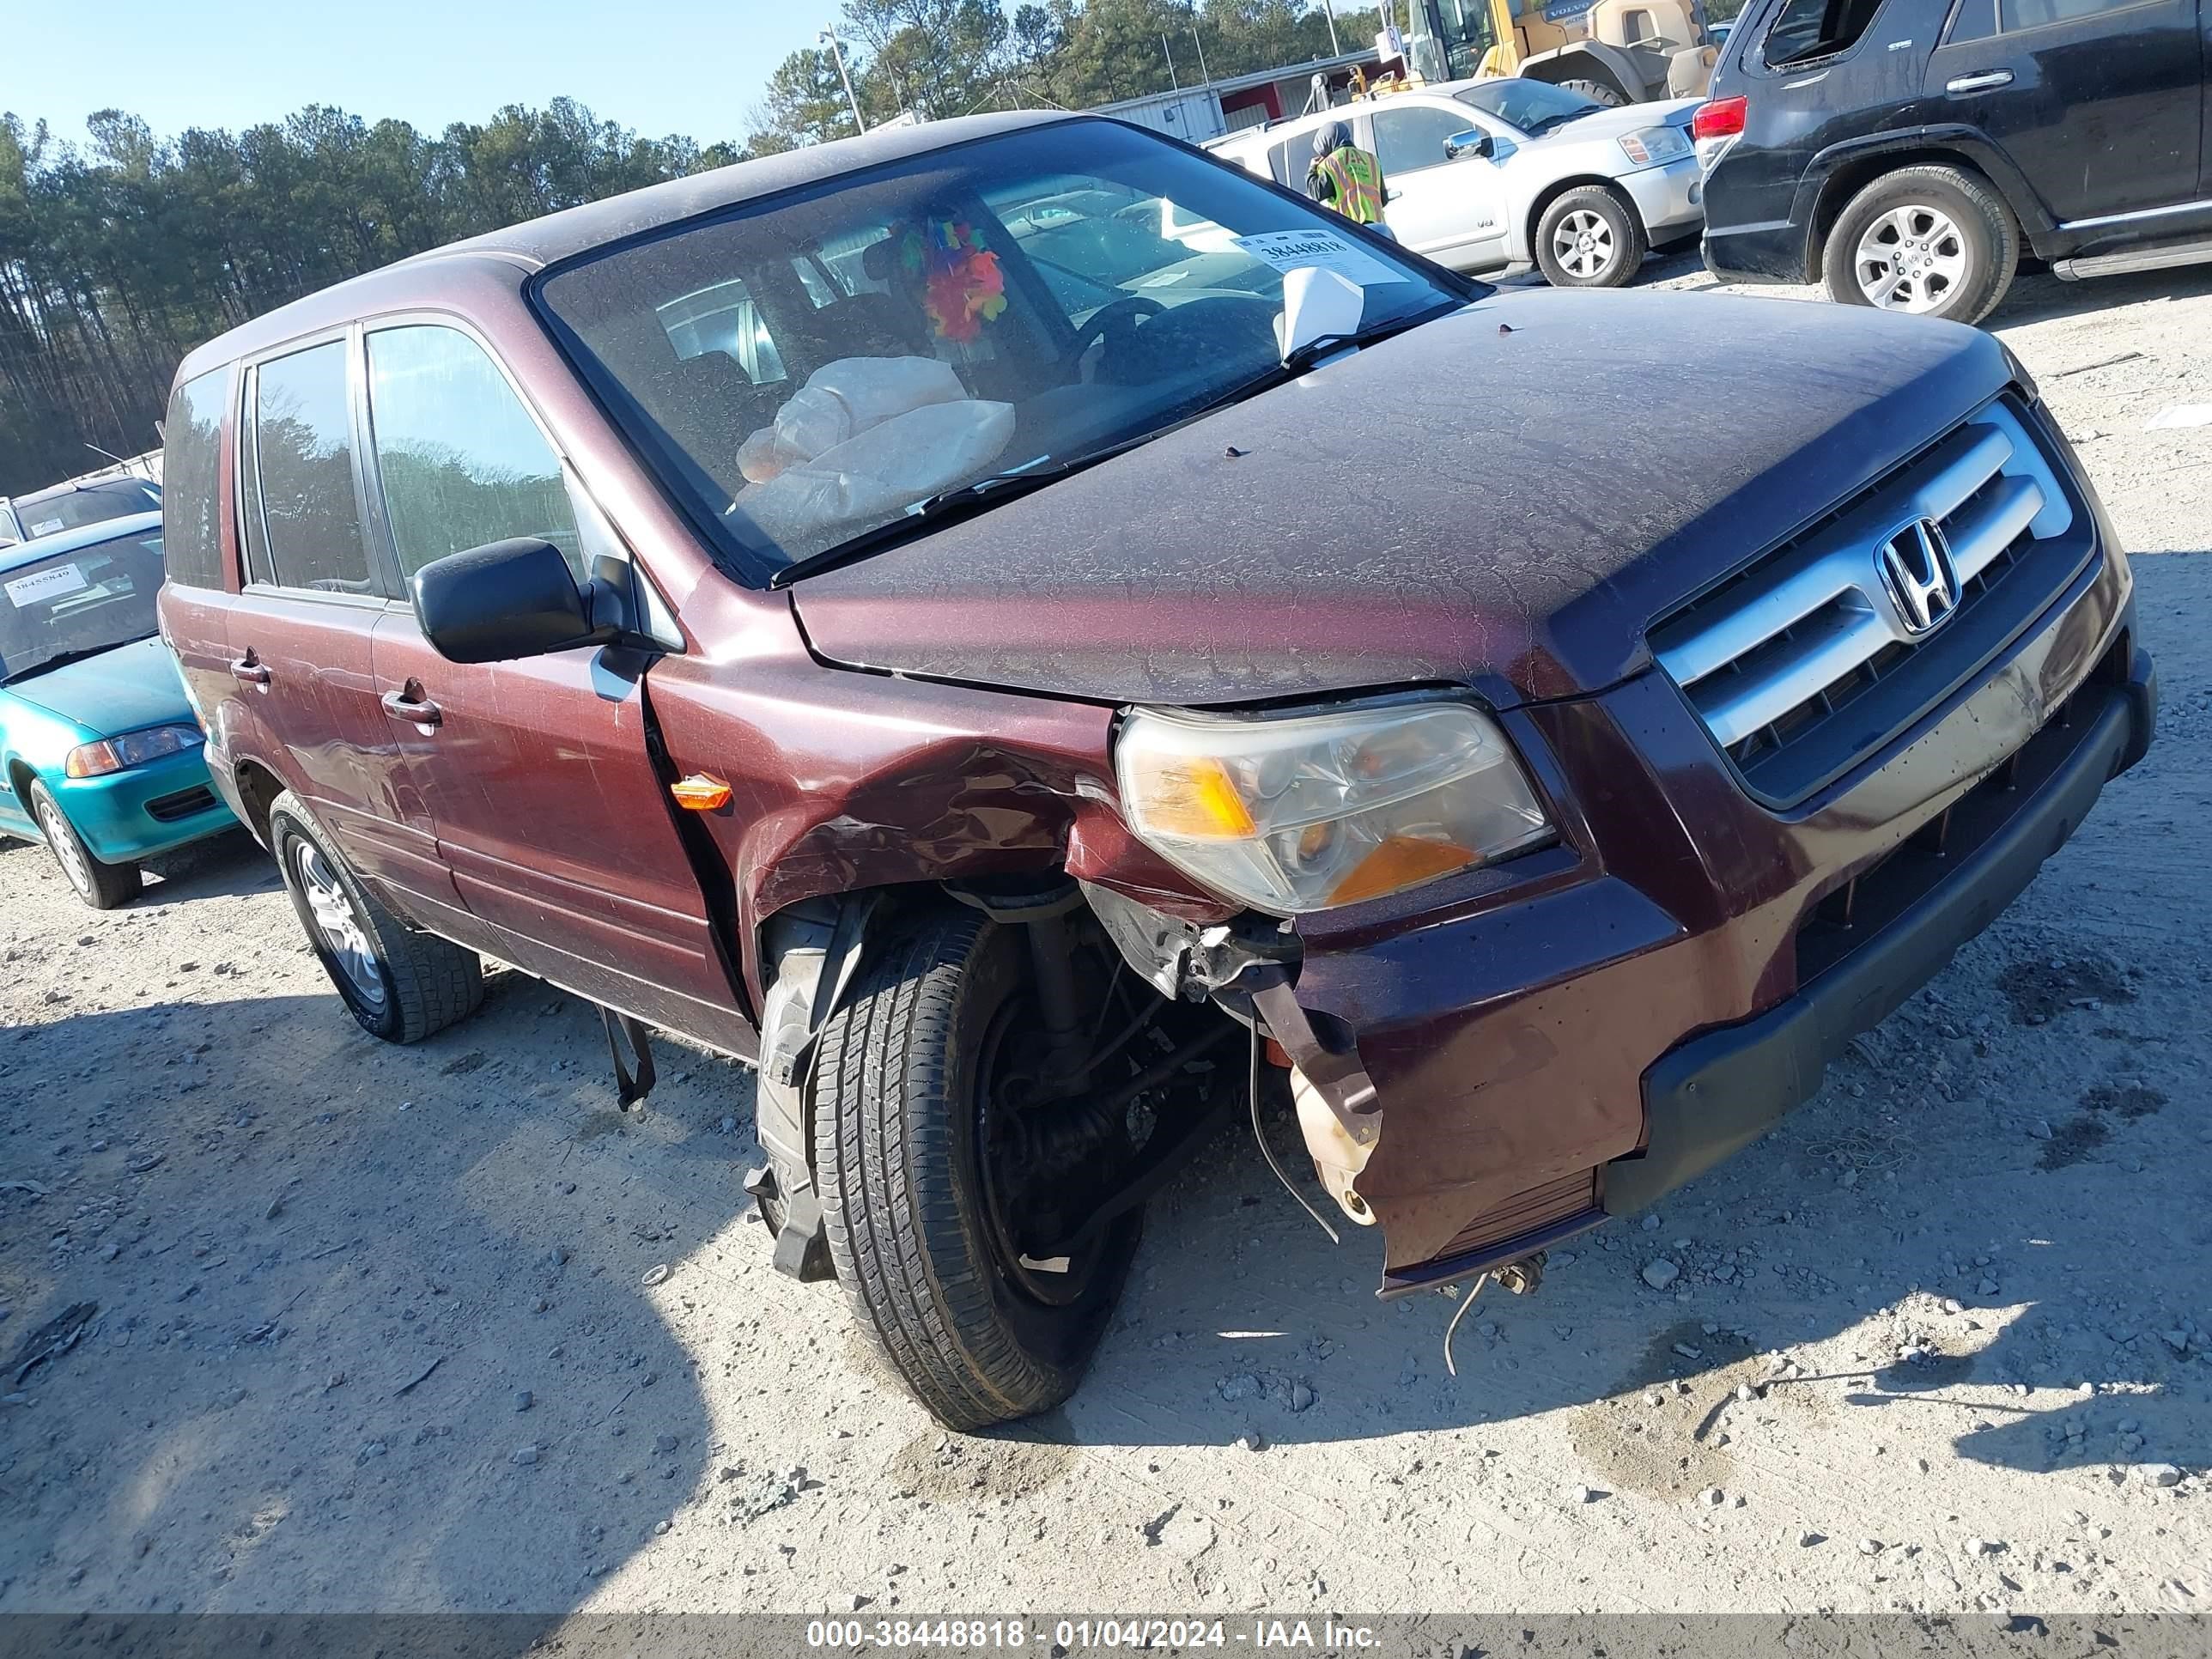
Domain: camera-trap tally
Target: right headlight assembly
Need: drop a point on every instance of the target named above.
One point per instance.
(1300, 812)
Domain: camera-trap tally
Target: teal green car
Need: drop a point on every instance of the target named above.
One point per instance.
(101, 751)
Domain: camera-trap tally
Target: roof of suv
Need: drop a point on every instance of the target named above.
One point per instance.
(539, 242)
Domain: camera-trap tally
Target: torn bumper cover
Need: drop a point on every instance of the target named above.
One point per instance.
(1576, 1049)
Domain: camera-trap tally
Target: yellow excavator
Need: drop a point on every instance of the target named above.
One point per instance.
(1616, 51)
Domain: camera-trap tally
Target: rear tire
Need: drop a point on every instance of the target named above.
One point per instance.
(1931, 241)
(1589, 238)
(103, 886)
(901, 1083)
(400, 984)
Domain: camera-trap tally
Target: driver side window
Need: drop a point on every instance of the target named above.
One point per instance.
(461, 461)
(1408, 140)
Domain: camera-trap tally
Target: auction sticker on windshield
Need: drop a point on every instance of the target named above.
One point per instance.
(1323, 250)
(45, 585)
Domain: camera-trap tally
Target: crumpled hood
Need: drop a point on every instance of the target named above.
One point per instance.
(1505, 498)
(119, 691)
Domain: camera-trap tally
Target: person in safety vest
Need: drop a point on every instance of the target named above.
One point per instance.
(1345, 177)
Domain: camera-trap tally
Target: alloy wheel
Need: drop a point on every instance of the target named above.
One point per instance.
(338, 927)
(1583, 244)
(1912, 258)
(67, 853)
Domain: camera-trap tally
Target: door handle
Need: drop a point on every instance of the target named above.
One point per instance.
(247, 672)
(1988, 81)
(406, 705)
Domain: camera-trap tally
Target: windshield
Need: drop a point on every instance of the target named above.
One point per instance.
(69, 605)
(1009, 305)
(51, 512)
(1533, 106)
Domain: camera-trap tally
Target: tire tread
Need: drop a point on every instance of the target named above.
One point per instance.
(890, 1166)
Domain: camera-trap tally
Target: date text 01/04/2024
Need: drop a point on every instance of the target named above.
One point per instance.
(1077, 1635)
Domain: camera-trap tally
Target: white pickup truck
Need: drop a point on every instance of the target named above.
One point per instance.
(1496, 175)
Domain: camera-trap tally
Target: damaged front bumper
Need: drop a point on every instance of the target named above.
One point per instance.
(1568, 1035)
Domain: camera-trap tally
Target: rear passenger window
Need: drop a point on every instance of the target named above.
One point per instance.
(1805, 29)
(191, 516)
(2015, 16)
(303, 444)
(1975, 20)
(461, 461)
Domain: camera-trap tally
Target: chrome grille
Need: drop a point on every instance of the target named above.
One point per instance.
(1827, 648)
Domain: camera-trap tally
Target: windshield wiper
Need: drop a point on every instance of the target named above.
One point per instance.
(1301, 358)
(62, 660)
(957, 502)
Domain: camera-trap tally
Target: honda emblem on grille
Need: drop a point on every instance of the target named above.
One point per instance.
(1917, 569)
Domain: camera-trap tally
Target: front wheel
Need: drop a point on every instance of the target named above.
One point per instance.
(1931, 241)
(928, 1172)
(1589, 238)
(102, 885)
(398, 984)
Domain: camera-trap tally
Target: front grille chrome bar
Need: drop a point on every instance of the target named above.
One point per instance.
(1818, 611)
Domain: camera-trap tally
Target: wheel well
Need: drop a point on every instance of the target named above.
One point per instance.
(1854, 176)
(19, 780)
(1551, 193)
(257, 789)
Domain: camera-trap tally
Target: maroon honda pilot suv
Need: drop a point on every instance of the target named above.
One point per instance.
(1016, 678)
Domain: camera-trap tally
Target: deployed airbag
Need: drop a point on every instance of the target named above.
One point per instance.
(842, 400)
(876, 475)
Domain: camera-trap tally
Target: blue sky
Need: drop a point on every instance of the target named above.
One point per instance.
(690, 66)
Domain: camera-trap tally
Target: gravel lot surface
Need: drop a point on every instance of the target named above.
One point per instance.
(385, 1329)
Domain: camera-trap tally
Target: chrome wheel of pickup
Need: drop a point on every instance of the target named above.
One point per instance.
(1912, 258)
(340, 930)
(1583, 243)
(1587, 237)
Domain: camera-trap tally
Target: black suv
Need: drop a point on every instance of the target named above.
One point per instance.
(1907, 153)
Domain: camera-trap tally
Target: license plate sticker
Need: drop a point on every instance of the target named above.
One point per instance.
(1324, 249)
(45, 587)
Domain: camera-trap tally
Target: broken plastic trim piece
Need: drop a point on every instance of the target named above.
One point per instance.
(1340, 1079)
(802, 1248)
(633, 1072)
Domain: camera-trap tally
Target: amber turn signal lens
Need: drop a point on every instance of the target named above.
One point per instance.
(1399, 862)
(701, 793)
(1193, 796)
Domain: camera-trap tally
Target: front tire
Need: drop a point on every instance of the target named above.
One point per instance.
(399, 984)
(1929, 241)
(1589, 238)
(909, 1108)
(103, 886)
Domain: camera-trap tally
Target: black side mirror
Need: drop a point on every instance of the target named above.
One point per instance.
(501, 601)
(1472, 142)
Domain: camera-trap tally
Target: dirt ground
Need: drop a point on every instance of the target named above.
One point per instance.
(389, 1329)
